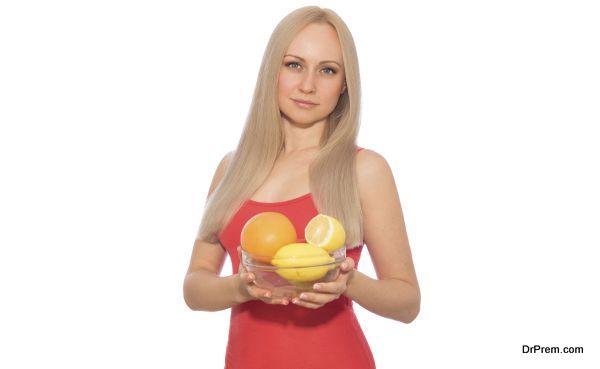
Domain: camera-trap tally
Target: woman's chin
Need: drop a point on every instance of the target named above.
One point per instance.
(302, 119)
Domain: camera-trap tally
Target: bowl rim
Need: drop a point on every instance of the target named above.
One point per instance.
(273, 267)
(245, 254)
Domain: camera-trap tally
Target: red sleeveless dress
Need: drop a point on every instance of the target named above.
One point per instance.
(266, 336)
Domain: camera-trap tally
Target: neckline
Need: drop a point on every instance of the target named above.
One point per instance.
(277, 203)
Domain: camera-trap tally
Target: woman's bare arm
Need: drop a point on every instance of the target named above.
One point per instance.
(395, 293)
(203, 288)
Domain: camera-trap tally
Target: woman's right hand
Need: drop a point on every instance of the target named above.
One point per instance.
(250, 291)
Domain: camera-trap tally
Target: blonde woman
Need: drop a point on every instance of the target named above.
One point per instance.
(297, 155)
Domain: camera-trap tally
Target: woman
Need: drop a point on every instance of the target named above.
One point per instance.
(297, 155)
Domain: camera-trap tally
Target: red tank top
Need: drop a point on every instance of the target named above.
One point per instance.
(266, 336)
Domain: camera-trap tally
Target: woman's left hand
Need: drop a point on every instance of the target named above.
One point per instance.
(328, 291)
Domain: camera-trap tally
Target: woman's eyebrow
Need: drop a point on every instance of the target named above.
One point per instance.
(323, 62)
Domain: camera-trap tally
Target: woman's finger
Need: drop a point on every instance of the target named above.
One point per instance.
(307, 302)
(266, 296)
(248, 278)
(329, 287)
(347, 265)
(256, 292)
(239, 252)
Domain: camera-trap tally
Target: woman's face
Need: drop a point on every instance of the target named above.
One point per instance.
(312, 70)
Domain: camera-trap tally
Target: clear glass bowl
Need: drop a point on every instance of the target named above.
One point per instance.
(267, 276)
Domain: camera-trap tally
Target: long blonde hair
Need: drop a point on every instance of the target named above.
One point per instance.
(332, 173)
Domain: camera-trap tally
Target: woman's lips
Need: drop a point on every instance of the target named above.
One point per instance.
(304, 104)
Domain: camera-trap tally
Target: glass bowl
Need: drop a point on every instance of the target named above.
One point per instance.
(272, 277)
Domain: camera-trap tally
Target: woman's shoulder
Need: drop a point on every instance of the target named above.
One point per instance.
(368, 158)
(221, 170)
(224, 164)
(370, 166)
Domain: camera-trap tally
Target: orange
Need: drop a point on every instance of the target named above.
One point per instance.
(266, 232)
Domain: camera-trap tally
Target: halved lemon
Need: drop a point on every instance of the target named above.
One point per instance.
(325, 232)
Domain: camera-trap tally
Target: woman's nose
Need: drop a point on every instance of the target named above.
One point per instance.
(307, 84)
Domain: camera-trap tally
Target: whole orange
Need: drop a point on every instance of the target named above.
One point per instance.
(266, 232)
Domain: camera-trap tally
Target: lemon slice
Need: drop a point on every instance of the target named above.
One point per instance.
(326, 232)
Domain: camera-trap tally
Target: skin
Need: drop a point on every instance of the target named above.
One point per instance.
(395, 293)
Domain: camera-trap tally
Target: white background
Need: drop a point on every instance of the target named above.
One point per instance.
(115, 114)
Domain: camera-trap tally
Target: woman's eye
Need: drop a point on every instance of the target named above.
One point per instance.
(331, 70)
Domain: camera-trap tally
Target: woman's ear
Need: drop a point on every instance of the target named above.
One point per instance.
(343, 89)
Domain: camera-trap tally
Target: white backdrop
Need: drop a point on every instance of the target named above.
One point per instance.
(115, 114)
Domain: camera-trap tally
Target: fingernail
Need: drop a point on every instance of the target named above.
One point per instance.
(302, 296)
(317, 286)
(295, 300)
